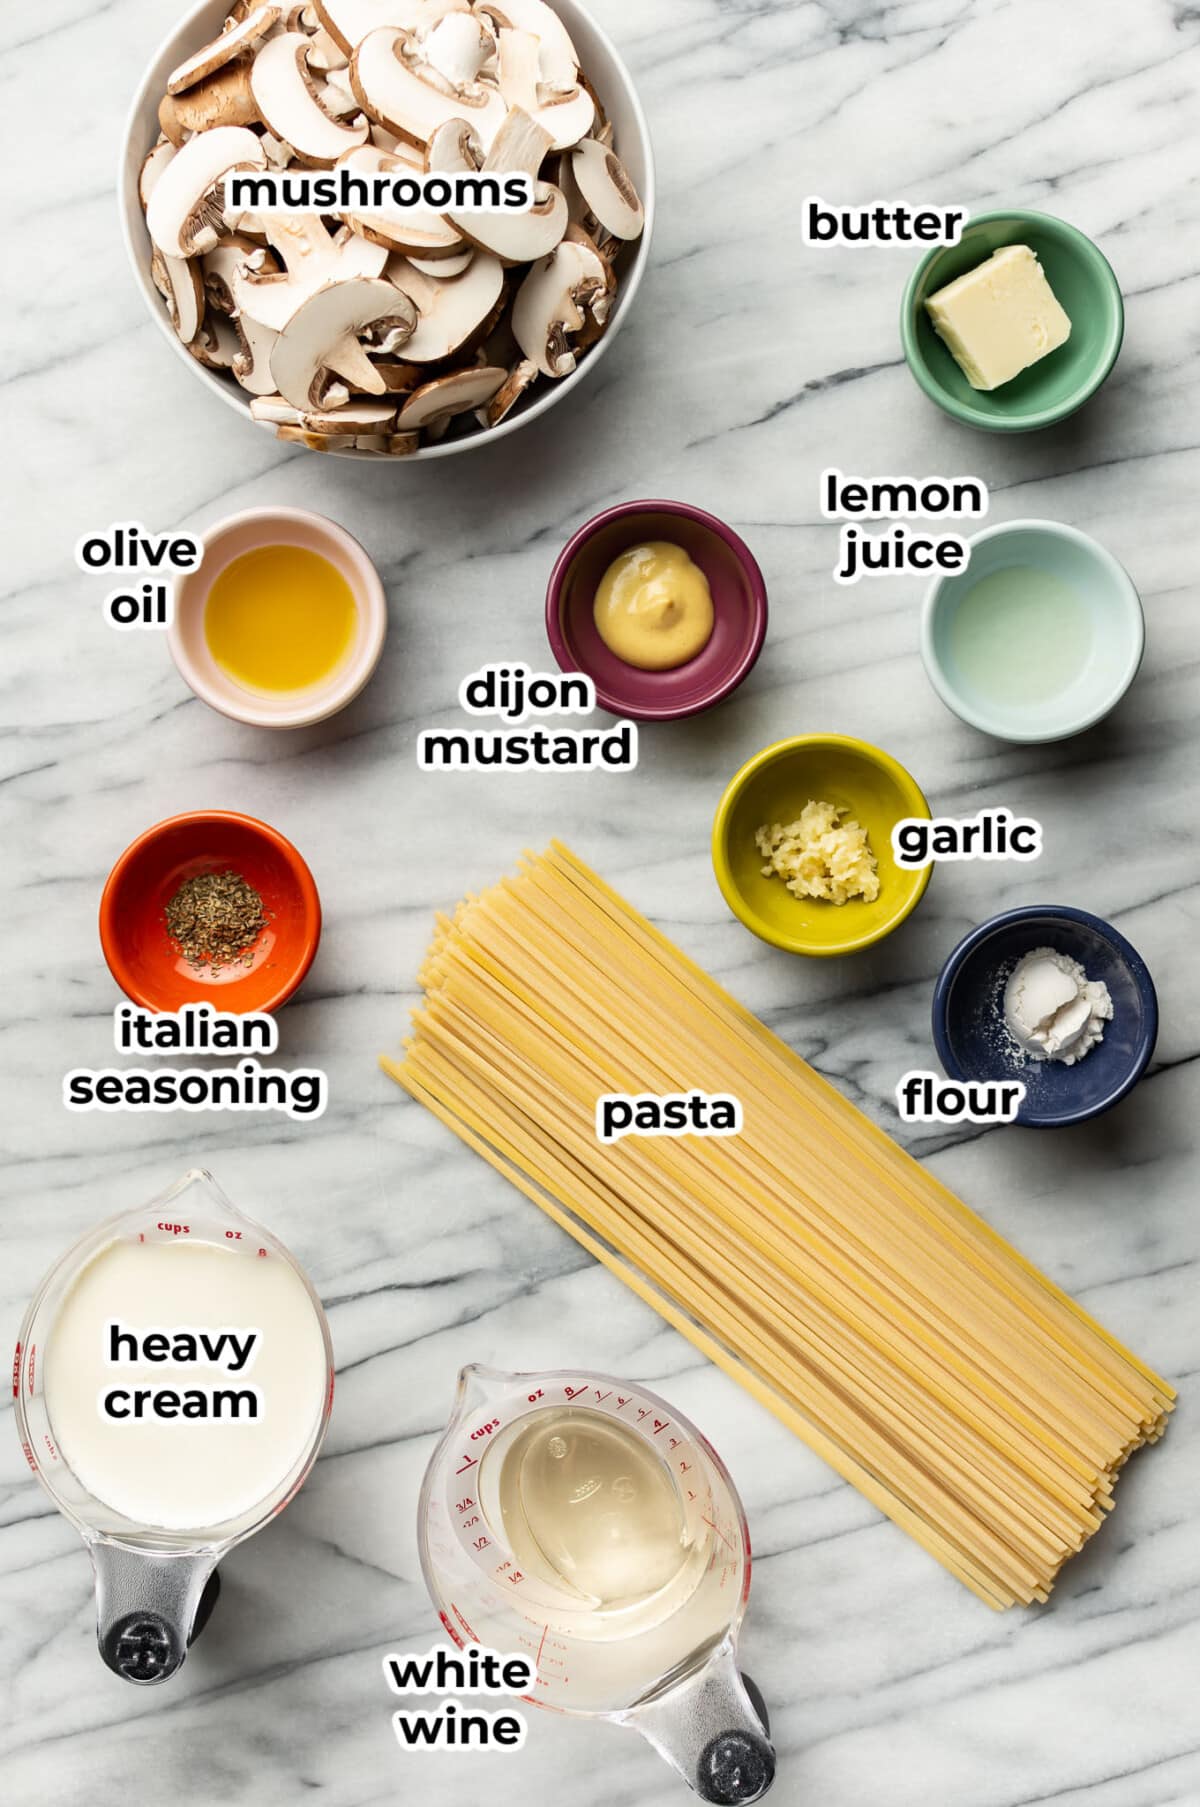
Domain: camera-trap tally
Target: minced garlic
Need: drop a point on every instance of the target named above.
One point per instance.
(821, 855)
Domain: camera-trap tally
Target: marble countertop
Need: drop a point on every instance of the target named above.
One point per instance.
(748, 365)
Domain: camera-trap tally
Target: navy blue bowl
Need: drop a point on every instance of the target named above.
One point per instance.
(968, 1013)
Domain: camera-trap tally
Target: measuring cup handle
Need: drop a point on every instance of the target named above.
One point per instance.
(712, 1728)
(149, 1606)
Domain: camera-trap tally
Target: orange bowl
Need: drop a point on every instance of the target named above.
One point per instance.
(144, 960)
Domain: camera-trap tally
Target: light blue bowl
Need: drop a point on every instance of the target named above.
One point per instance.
(1117, 641)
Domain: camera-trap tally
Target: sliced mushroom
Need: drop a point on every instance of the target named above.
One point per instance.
(290, 106)
(519, 145)
(216, 345)
(444, 268)
(457, 48)
(402, 445)
(416, 229)
(152, 168)
(312, 257)
(324, 51)
(549, 308)
(349, 21)
(605, 185)
(355, 417)
(540, 21)
(322, 337)
(233, 41)
(224, 99)
(178, 282)
(222, 268)
(434, 405)
(450, 314)
(567, 114)
(185, 214)
(396, 86)
(399, 378)
(520, 378)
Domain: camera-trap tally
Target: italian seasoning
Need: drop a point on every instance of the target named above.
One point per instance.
(215, 918)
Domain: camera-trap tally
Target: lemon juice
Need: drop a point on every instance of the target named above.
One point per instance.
(1020, 636)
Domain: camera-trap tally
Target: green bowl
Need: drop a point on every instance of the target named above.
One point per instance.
(1083, 280)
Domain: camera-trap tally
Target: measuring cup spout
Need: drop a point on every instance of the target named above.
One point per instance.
(150, 1604)
(708, 1728)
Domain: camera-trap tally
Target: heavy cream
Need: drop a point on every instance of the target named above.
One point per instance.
(185, 1380)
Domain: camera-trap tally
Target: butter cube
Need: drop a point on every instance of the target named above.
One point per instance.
(1000, 317)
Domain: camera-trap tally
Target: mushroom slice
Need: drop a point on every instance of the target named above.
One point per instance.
(152, 168)
(312, 257)
(232, 42)
(457, 48)
(178, 282)
(224, 99)
(216, 345)
(549, 308)
(604, 183)
(397, 87)
(349, 21)
(519, 145)
(272, 410)
(444, 268)
(355, 417)
(290, 107)
(402, 445)
(520, 378)
(400, 378)
(186, 210)
(538, 19)
(417, 229)
(449, 313)
(321, 337)
(434, 405)
(312, 442)
(566, 114)
(222, 268)
(324, 51)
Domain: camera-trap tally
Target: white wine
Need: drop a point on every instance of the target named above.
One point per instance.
(588, 1507)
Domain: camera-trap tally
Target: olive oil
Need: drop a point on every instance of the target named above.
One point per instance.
(280, 618)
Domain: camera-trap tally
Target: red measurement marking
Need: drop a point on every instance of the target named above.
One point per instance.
(464, 1505)
(545, 1634)
(17, 1371)
(719, 1532)
(574, 1392)
(469, 1463)
(685, 1468)
(601, 1397)
(660, 1424)
(534, 1397)
(621, 1403)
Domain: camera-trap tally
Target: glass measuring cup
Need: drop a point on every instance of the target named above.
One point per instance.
(154, 1587)
(669, 1669)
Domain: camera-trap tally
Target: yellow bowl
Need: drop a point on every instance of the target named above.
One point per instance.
(774, 786)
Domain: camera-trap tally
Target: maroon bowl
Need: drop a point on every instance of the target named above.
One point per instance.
(739, 610)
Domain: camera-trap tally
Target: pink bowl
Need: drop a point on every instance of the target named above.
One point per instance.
(739, 608)
(246, 532)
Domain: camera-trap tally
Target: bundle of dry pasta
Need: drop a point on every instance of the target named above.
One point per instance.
(890, 1328)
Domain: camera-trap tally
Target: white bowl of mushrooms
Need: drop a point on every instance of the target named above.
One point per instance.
(413, 334)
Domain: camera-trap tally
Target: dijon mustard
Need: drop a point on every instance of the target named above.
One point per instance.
(653, 607)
